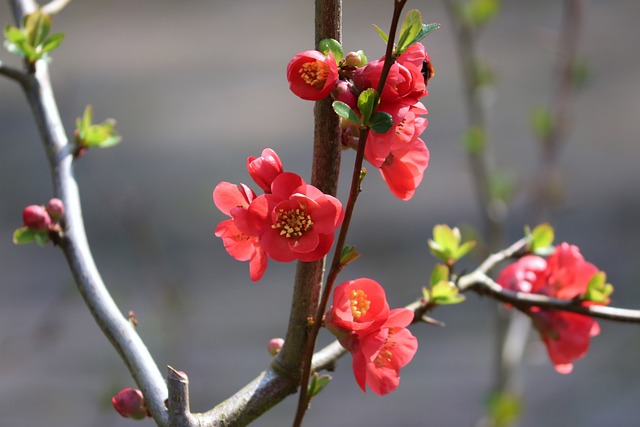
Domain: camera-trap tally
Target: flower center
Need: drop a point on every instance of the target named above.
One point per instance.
(359, 303)
(314, 73)
(385, 355)
(293, 222)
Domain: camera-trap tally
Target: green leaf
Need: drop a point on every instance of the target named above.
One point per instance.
(348, 255)
(330, 45)
(14, 34)
(424, 31)
(344, 111)
(464, 249)
(411, 27)
(367, 103)
(381, 33)
(445, 292)
(52, 42)
(598, 290)
(363, 58)
(41, 237)
(542, 237)
(318, 383)
(381, 122)
(446, 236)
(23, 235)
(504, 409)
(440, 273)
(37, 25)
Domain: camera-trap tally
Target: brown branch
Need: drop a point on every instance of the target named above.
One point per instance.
(14, 74)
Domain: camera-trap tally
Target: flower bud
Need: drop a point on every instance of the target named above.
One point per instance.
(55, 209)
(265, 168)
(352, 59)
(344, 93)
(129, 403)
(275, 345)
(36, 218)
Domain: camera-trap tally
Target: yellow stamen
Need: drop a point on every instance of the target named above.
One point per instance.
(293, 223)
(359, 303)
(314, 73)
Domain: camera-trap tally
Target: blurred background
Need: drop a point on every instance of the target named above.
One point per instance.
(196, 88)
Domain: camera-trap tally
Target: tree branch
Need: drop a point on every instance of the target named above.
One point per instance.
(14, 74)
(74, 243)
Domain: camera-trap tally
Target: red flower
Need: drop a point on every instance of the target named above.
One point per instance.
(375, 336)
(312, 75)
(265, 168)
(404, 83)
(130, 403)
(358, 306)
(295, 221)
(564, 274)
(230, 198)
(378, 356)
(404, 168)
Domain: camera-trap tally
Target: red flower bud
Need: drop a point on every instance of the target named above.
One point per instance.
(129, 403)
(55, 209)
(36, 217)
(275, 345)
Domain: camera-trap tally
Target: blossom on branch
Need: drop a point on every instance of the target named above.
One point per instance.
(565, 275)
(291, 221)
(312, 75)
(376, 336)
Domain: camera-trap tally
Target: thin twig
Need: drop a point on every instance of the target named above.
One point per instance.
(14, 74)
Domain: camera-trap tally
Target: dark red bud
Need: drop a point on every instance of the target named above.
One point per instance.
(36, 217)
(129, 403)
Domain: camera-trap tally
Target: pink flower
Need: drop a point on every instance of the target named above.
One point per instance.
(312, 75)
(265, 168)
(404, 168)
(565, 335)
(566, 275)
(404, 83)
(55, 209)
(36, 218)
(376, 336)
(378, 356)
(130, 403)
(358, 306)
(295, 221)
(231, 198)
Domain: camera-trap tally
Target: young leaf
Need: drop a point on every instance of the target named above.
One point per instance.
(464, 249)
(41, 237)
(440, 272)
(411, 26)
(367, 103)
(37, 25)
(381, 33)
(424, 31)
(542, 122)
(318, 383)
(23, 235)
(445, 292)
(330, 45)
(344, 111)
(542, 237)
(348, 255)
(52, 42)
(381, 122)
(598, 290)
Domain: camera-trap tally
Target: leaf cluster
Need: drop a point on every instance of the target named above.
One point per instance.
(30, 40)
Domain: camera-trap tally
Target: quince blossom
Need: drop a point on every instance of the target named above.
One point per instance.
(291, 221)
(312, 75)
(376, 336)
(564, 274)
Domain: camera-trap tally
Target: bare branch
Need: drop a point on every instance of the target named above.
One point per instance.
(114, 325)
(484, 285)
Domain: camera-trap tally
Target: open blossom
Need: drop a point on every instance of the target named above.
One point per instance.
(564, 274)
(296, 221)
(243, 247)
(312, 75)
(376, 336)
(291, 221)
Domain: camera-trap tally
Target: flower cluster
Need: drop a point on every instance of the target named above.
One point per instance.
(399, 153)
(376, 336)
(290, 221)
(566, 275)
(41, 223)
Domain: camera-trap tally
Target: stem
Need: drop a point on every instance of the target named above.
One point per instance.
(303, 400)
